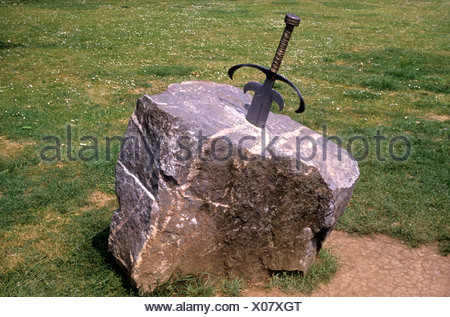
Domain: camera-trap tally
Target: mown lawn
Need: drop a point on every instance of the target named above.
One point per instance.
(365, 68)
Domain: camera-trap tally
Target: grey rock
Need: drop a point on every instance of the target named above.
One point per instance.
(202, 190)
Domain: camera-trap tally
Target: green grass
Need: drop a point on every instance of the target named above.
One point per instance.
(391, 68)
(362, 66)
(163, 71)
(201, 285)
(232, 287)
(320, 273)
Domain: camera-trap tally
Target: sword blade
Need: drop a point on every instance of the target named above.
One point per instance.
(261, 103)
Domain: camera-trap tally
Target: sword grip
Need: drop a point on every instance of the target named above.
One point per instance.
(291, 22)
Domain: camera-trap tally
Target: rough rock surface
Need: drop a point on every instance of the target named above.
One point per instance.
(202, 190)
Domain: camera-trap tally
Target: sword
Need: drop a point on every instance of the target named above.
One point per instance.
(264, 94)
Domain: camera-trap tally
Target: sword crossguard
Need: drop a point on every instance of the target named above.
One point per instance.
(273, 76)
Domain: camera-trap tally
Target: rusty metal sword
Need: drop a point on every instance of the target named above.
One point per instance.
(264, 94)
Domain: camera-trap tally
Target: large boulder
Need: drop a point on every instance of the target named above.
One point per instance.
(200, 189)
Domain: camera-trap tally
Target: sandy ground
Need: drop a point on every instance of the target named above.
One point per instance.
(379, 266)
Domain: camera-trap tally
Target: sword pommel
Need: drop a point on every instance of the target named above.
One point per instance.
(292, 19)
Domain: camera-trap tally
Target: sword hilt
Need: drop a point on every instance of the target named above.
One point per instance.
(291, 22)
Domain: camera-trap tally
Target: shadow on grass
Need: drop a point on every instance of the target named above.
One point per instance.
(8, 45)
(100, 243)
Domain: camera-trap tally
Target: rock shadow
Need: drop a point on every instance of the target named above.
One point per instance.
(100, 243)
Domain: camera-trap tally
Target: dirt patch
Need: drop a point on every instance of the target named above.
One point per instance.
(23, 242)
(98, 199)
(140, 91)
(342, 63)
(9, 148)
(379, 266)
(440, 118)
(152, 87)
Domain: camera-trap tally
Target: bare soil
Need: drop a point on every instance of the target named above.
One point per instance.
(10, 149)
(97, 200)
(378, 265)
(440, 118)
